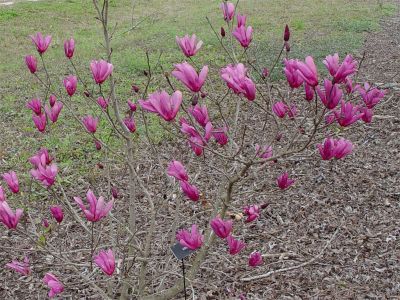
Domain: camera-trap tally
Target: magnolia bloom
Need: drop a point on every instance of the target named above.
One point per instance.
(131, 105)
(12, 181)
(235, 246)
(348, 114)
(56, 287)
(340, 72)
(220, 135)
(200, 113)
(130, 124)
(331, 96)
(236, 79)
(42, 157)
(20, 267)
(52, 100)
(103, 103)
(101, 69)
(54, 111)
(185, 73)
(283, 181)
(196, 141)
(220, 227)
(164, 105)
(2, 194)
(177, 170)
(252, 212)
(371, 96)
(243, 35)
(189, 45)
(309, 92)
(90, 123)
(190, 190)
(106, 261)
(70, 83)
(98, 209)
(228, 10)
(69, 48)
(264, 151)
(255, 259)
(35, 105)
(241, 20)
(191, 240)
(31, 63)
(7, 217)
(292, 74)
(366, 114)
(348, 84)
(327, 149)
(279, 108)
(40, 121)
(46, 174)
(41, 43)
(308, 71)
(342, 148)
(57, 213)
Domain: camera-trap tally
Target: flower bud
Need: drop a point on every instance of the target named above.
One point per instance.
(203, 95)
(114, 192)
(86, 93)
(52, 100)
(265, 73)
(286, 34)
(195, 99)
(287, 46)
(222, 32)
(97, 144)
(45, 223)
(135, 88)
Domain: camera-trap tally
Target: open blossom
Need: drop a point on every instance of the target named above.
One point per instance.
(130, 124)
(228, 10)
(35, 105)
(12, 181)
(371, 96)
(252, 212)
(279, 108)
(241, 20)
(220, 135)
(331, 96)
(70, 83)
(332, 148)
(190, 190)
(56, 287)
(200, 113)
(177, 170)
(20, 267)
(191, 240)
(103, 103)
(327, 149)
(131, 105)
(292, 74)
(309, 92)
(2, 194)
(366, 114)
(342, 148)
(31, 63)
(189, 45)
(235, 246)
(308, 71)
(236, 79)
(7, 217)
(220, 227)
(196, 141)
(54, 111)
(90, 123)
(283, 181)
(46, 174)
(340, 72)
(164, 105)
(243, 35)
(255, 259)
(106, 261)
(69, 48)
(41, 43)
(185, 73)
(264, 151)
(57, 213)
(42, 157)
(101, 69)
(98, 209)
(348, 114)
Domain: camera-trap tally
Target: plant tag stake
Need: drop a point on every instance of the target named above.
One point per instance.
(180, 252)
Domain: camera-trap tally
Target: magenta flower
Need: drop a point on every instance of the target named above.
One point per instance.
(2, 194)
(243, 35)
(200, 113)
(255, 259)
(279, 108)
(189, 45)
(348, 114)
(283, 181)
(57, 213)
(292, 74)
(349, 85)
(331, 96)
(340, 72)
(252, 212)
(177, 170)
(236, 79)
(191, 240)
(7, 217)
(70, 83)
(132, 106)
(90, 123)
(103, 103)
(36, 106)
(101, 69)
(327, 149)
(12, 181)
(292, 111)
(20, 267)
(56, 287)
(42, 157)
(40, 121)
(308, 71)
(235, 246)
(46, 174)
(53, 112)
(162, 104)
(41, 43)
(220, 227)
(130, 124)
(98, 209)
(185, 73)
(52, 100)
(371, 96)
(228, 10)
(241, 20)
(106, 261)
(45, 223)
(366, 114)
(31, 63)
(69, 48)
(196, 141)
(220, 135)
(309, 92)
(342, 148)
(264, 151)
(189, 190)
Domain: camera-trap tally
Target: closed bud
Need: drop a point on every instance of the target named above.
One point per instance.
(87, 94)
(223, 32)
(114, 192)
(195, 99)
(45, 223)
(145, 73)
(100, 166)
(278, 136)
(265, 73)
(203, 95)
(287, 46)
(98, 145)
(135, 88)
(286, 34)
(264, 206)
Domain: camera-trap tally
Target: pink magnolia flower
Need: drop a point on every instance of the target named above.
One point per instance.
(308, 71)
(162, 104)
(349, 85)
(40, 121)
(196, 141)
(2, 194)
(7, 217)
(20, 267)
(70, 83)
(283, 181)
(330, 118)
(228, 10)
(292, 74)
(241, 20)
(309, 92)
(53, 112)
(98, 209)
(366, 114)
(52, 100)
(342, 148)
(41, 43)
(279, 108)
(235, 246)
(348, 114)
(130, 124)
(243, 35)
(327, 149)
(340, 72)
(31, 63)
(57, 213)
(236, 79)
(255, 259)
(185, 73)
(220, 227)
(56, 287)
(371, 96)
(36, 106)
(177, 170)
(286, 33)
(252, 212)
(331, 96)
(101, 69)
(220, 135)
(90, 123)
(191, 240)
(12, 181)
(103, 103)
(106, 261)
(190, 190)
(264, 151)
(46, 174)
(42, 157)
(189, 45)
(200, 113)
(69, 48)
(132, 106)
